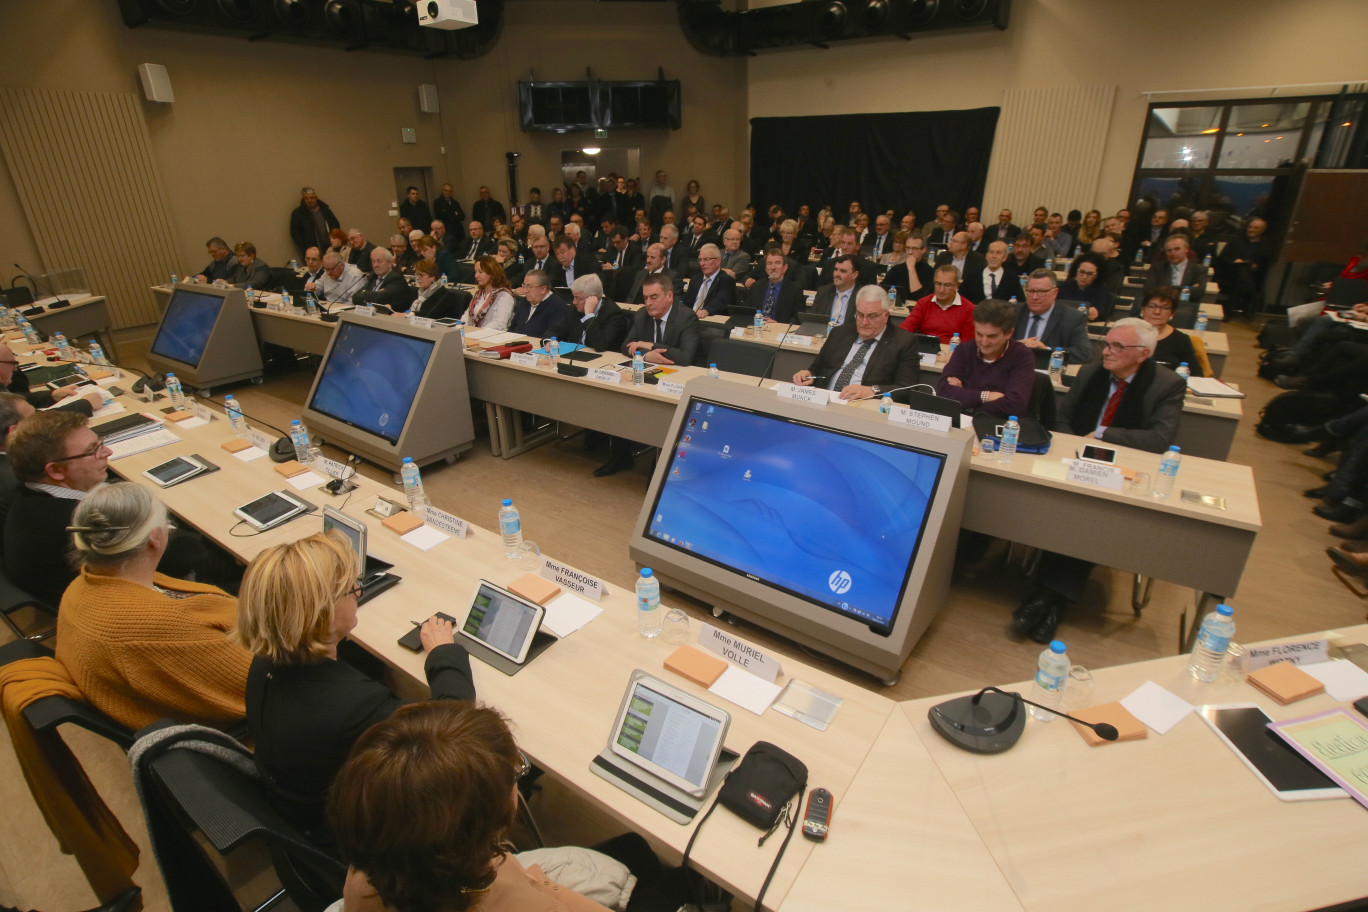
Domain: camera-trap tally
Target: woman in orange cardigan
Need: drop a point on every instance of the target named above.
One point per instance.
(143, 646)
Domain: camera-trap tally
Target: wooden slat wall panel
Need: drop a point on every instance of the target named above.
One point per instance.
(83, 166)
(1048, 150)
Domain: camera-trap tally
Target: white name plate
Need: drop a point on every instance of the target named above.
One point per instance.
(670, 388)
(526, 359)
(929, 421)
(742, 655)
(738, 332)
(603, 375)
(1095, 474)
(202, 412)
(798, 339)
(331, 467)
(260, 440)
(1301, 652)
(364, 310)
(813, 395)
(579, 583)
(421, 322)
(445, 522)
(929, 359)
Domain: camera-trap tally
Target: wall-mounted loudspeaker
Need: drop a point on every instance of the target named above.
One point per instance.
(155, 82)
(427, 98)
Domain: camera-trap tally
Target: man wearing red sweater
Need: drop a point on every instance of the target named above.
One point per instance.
(944, 312)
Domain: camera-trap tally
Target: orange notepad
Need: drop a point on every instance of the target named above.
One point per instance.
(236, 445)
(1285, 682)
(698, 666)
(291, 468)
(403, 523)
(179, 415)
(535, 589)
(1128, 727)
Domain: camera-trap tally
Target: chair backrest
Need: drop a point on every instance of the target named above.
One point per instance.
(284, 276)
(18, 296)
(740, 357)
(12, 599)
(1042, 404)
(1343, 292)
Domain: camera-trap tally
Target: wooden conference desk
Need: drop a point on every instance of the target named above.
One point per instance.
(1172, 820)
(563, 703)
(85, 315)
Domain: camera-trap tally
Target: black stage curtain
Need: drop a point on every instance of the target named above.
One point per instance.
(886, 161)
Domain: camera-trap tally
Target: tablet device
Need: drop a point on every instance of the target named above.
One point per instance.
(668, 733)
(354, 531)
(270, 511)
(175, 470)
(70, 380)
(502, 621)
(1290, 776)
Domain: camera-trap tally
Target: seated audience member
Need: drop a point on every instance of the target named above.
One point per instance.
(404, 254)
(1002, 229)
(220, 268)
(777, 296)
(359, 254)
(978, 241)
(571, 263)
(1180, 268)
(305, 706)
(1174, 347)
(655, 265)
(1126, 399)
(141, 645)
(623, 260)
(1059, 241)
(992, 280)
(1023, 260)
(385, 285)
(14, 408)
(506, 252)
(879, 242)
(899, 252)
(445, 240)
(991, 373)
(1113, 275)
(1090, 229)
(491, 306)
(15, 381)
(337, 243)
(430, 250)
(593, 320)
(1339, 367)
(340, 279)
(792, 248)
(540, 246)
(837, 300)
(1242, 266)
(849, 245)
(1083, 286)
(434, 300)
(912, 276)
(448, 772)
(249, 270)
(945, 311)
(313, 266)
(865, 356)
(957, 254)
(477, 244)
(940, 234)
(711, 292)
(1044, 325)
(538, 308)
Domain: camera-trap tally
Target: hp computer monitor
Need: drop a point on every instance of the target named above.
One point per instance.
(824, 524)
(206, 337)
(186, 324)
(386, 390)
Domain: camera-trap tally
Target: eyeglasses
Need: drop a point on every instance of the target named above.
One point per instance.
(94, 450)
(868, 317)
(10, 361)
(1039, 291)
(524, 766)
(355, 591)
(1117, 348)
(1086, 274)
(1158, 305)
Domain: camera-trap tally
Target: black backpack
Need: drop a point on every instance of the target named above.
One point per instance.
(1294, 407)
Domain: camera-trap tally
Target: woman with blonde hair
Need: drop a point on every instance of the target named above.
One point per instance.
(305, 706)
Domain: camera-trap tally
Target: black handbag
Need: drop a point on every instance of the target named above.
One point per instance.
(1033, 437)
(761, 789)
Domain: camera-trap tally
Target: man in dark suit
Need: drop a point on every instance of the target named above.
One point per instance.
(711, 292)
(957, 254)
(1004, 230)
(535, 210)
(880, 241)
(360, 253)
(311, 221)
(313, 266)
(1023, 261)
(541, 253)
(1243, 264)
(571, 263)
(776, 297)
(1126, 399)
(487, 209)
(940, 235)
(478, 245)
(415, 209)
(1180, 269)
(993, 280)
(1043, 326)
(593, 320)
(448, 208)
(867, 356)
(846, 244)
(676, 258)
(735, 261)
(623, 260)
(538, 309)
(385, 285)
(978, 241)
(837, 300)
(655, 264)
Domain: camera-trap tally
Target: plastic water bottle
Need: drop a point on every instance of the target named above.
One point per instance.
(1185, 295)
(460, 326)
(1213, 639)
(236, 420)
(63, 346)
(310, 305)
(648, 604)
(299, 435)
(1012, 299)
(1201, 324)
(1206, 261)
(30, 334)
(251, 295)
(1057, 363)
(893, 295)
(1011, 430)
(285, 301)
(886, 404)
(413, 485)
(1052, 673)
(175, 391)
(294, 263)
(954, 343)
(1168, 473)
(510, 526)
(1049, 263)
(6, 318)
(1183, 370)
(638, 368)
(97, 353)
(1139, 256)
(930, 258)
(174, 278)
(712, 372)
(758, 323)
(553, 349)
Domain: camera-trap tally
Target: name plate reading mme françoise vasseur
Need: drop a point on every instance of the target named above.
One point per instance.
(582, 584)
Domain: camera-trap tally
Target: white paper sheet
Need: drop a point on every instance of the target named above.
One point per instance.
(105, 411)
(305, 480)
(1156, 707)
(250, 454)
(425, 538)
(142, 443)
(745, 690)
(1343, 680)
(192, 422)
(567, 613)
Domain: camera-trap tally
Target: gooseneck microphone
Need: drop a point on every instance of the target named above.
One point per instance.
(769, 365)
(1105, 730)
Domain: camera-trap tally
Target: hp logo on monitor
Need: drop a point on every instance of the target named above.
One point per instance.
(839, 582)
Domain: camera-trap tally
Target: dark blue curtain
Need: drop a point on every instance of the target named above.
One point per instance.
(886, 161)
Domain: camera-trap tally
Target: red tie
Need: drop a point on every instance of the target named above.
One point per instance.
(1113, 402)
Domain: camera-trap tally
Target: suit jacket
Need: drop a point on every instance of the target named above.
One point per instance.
(418, 214)
(894, 361)
(1033, 262)
(867, 248)
(682, 337)
(897, 277)
(585, 264)
(1159, 409)
(991, 233)
(634, 292)
(721, 293)
(866, 271)
(939, 236)
(445, 303)
(973, 262)
(452, 215)
(393, 292)
(1008, 287)
(1067, 329)
(825, 299)
(37, 544)
(485, 211)
(618, 282)
(738, 261)
(258, 275)
(606, 331)
(1194, 277)
(981, 245)
(471, 250)
(677, 258)
(361, 258)
(790, 300)
(549, 313)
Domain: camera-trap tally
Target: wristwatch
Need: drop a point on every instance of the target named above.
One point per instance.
(877, 391)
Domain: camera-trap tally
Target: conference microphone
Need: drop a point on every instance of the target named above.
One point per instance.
(898, 389)
(59, 302)
(769, 366)
(1105, 730)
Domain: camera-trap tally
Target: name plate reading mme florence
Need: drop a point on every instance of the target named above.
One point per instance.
(813, 395)
(445, 522)
(526, 359)
(669, 388)
(604, 375)
(1095, 474)
(929, 421)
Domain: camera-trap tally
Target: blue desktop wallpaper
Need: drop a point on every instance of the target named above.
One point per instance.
(185, 327)
(370, 379)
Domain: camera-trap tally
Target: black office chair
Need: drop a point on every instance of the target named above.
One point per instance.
(740, 357)
(1042, 405)
(18, 296)
(1342, 292)
(13, 599)
(708, 333)
(285, 277)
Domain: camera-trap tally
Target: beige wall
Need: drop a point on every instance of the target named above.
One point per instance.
(1156, 45)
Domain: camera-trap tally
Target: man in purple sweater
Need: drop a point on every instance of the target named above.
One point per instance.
(993, 374)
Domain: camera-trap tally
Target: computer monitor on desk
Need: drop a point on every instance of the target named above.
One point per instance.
(826, 525)
(206, 337)
(386, 390)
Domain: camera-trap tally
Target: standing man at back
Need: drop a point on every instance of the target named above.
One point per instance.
(311, 221)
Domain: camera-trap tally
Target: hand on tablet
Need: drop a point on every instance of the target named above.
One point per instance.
(436, 632)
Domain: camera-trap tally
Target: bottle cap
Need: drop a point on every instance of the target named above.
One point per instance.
(1174, 449)
(508, 501)
(712, 367)
(407, 459)
(1011, 418)
(646, 573)
(294, 423)
(1057, 647)
(170, 376)
(1224, 610)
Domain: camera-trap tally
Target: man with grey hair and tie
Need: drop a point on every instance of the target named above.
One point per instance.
(339, 281)
(865, 357)
(735, 261)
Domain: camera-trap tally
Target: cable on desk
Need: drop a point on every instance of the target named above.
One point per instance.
(245, 415)
(239, 523)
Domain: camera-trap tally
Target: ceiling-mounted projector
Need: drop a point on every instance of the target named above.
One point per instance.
(447, 14)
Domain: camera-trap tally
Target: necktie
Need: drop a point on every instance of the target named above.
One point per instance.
(379, 280)
(541, 264)
(992, 285)
(847, 372)
(838, 312)
(619, 259)
(1113, 402)
(771, 299)
(702, 294)
(659, 331)
(1033, 331)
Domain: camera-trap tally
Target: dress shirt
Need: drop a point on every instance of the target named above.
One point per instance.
(58, 490)
(705, 283)
(1111, 391)
(992, 281)
(857, 377)
(839, 303)
(1035, 324)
